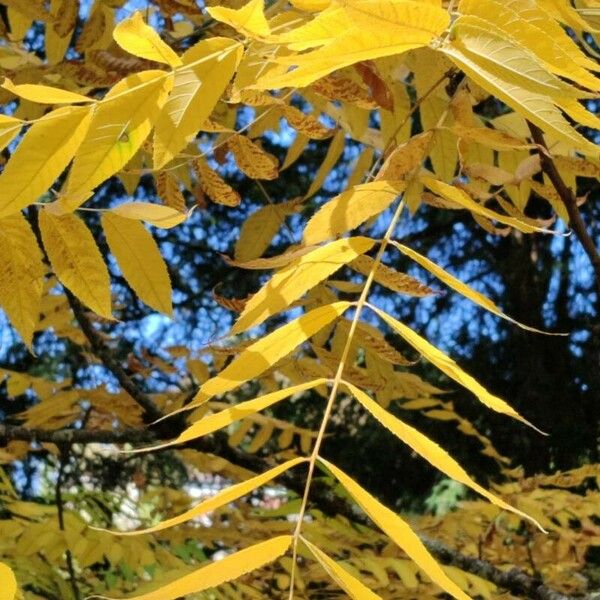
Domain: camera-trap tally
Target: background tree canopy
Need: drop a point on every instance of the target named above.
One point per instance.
(284, 285)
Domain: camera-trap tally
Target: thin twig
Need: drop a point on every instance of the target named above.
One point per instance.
(568, 198)
(63, 460)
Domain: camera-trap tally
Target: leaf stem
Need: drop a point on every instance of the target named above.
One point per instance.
(335, 387)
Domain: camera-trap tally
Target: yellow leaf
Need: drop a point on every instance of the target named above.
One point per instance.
(534, 29)
(492, 138)
(43, 94)
(259, 229)
(120, 124)
(392, 279)
(224, 497)
(294, 280)
(140, 260)
(334, 151)
(461, 198)
(251, 159)
(266, 351)
(398, 530)
(235, 413)
(429, 450)
(9, 582)
(449, 367)
(500, 55)
(42, 155)
(76, 260)
(352, 586)
(364, 31)
(161, 216)
(458, 285)
(407, 157)
(9, 128)
(21, 275)
(350, 209)
(250, 19)
(167, 187)
(214, 187)
(538, 108)
(199, 83)
(139, 39)
(214, 574)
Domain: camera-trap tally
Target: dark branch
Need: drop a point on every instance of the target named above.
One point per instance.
(10, 433)
(105, 354)
(569, 200)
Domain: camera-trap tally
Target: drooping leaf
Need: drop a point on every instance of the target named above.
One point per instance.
(250, 19)
(350, 584)
(199, 83)
(265, 352)
(161, 216)
(334, 151)
(140, 260)
(139, 39)
(214, 186)
(350, 209)
(251, 159)
(9, 129)
(429, 450)
(44, 152)
(449, 367)
(21, 275)
(226, 417)
(76, 260)
(120, 124)
(458, 285)
(224, 497)
(294, 280)
(461, 198)
(227, 569)
(398, 530)
(43, 94)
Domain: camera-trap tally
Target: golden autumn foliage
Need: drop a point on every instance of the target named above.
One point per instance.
(113, 98)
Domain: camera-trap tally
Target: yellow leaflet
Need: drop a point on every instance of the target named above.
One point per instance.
(120, 124)
(579, 113)
(273, 262)
(294, 280)
(214, 186)
(251, 159)
(235, 413)
(454, 194)
(214, 574)
(500, 55)
(352, 586)
(266, 351)
(9, 128)
(350, 209)
(492, 138)
(310, 5)
(221, 499)
(407, 157)
(259, 229)
(390, 278)
(249, 20)
(429, 450)
(43, 94)
(159, 215)
(139, 39)
(198, 85)
(366, 30)
(459, 286)
(538, 108)
(140, 260)
(21, 275)
(76, 260)
(398, 530)
(449, 367)
(9, 582)
(334, 151)
(538, 36)
(42, 155)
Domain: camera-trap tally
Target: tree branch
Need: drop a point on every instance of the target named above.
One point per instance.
(105, 354)
(515, 581)
(568, 198)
